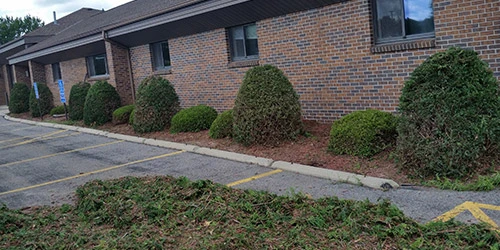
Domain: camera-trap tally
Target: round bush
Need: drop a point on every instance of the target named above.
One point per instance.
(19, 98)
(222, 126)
(44, 104)
(77, 100)
(122, 115)
(193, 119)
(102, 99)
(449, 116)
(155, 106)
(267, 109)
(363, 133)
(57, 110)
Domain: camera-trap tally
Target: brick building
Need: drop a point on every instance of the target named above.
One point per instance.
(341, 55)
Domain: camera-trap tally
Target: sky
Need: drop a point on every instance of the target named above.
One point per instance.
(43, 8)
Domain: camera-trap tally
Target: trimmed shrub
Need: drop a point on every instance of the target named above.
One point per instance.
(449, 123)
(44, 104)
(267, 108)
(57, 110)
(122, 115)
(102, 99)
(77, 100)
(222, 126)
(155, 106)
(131, 117)
(19, 98)
(193, 119)
(363, 133)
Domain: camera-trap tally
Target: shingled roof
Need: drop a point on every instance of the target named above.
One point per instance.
(121, 15)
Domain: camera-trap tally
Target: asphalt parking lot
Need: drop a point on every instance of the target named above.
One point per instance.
(44, 166)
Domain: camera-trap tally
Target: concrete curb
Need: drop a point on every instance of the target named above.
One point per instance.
(339, 176)
(334, 175)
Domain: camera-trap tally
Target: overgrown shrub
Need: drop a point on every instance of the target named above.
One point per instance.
(363, 133)
(45, 102)
(57, 110)
(19, 98)
(77, 100)
(131, 117)
(122, 114)
(267, 108)
(102, 99)
(450, 116)
(193, 119)
(155, 106)
(222, 126)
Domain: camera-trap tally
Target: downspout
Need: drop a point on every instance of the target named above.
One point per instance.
(129, 61)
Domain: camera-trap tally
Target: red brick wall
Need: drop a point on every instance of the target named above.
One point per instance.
(119, 73)
(3, 85)
(329, 56)
(37, 72)
(20, 75)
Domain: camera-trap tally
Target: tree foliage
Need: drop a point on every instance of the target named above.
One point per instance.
(15, 27)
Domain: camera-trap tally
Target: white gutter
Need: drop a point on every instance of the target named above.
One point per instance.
(12, 46)
(57, 48)
(169, 17)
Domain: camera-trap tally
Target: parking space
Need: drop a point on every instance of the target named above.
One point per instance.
(44, 166)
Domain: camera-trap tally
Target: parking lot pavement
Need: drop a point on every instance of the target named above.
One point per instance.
(44, 166)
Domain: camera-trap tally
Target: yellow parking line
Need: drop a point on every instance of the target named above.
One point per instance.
(91, 173)
(34, 139)
(254, 177)
(60, 153)
(24, 137)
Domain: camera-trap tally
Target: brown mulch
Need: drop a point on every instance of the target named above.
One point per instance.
(309, 150)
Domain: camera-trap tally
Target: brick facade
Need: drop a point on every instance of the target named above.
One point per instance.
(21, 74)
(328, 54)
(4, 86)
(119, 71)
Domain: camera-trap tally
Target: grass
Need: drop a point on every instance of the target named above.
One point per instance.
(482, 183)
(168, 213)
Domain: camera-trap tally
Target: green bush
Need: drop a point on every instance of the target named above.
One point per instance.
(45, 102)
(222, 126)
(77, 100)
(122, 115)
(155, 106)
(57, 110)
(193, 119)
(131, 117)
(102, 99)
(19, 98)
(363, 133)
(449, 123)
(267, 109)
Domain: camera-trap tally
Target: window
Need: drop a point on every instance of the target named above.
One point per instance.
(161, 55)
(243, 42)
(97, 65)
(397, 20)
(56, 72)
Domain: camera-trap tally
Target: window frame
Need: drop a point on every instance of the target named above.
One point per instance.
(91, 70)
(232, 45)
(56, 71)
(155, 57)
(404, 36)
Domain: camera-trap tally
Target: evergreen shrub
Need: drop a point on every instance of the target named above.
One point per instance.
(193, 119)
(267, 108)
(44, 104)
(102, 99)
(222, 126)
(19, 98)
(77, 100)
(449, 123)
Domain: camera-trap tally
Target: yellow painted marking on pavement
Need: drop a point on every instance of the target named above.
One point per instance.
(91, 173)
(24, 137)
(34, 139)
(60, 153)
(254, 177)
(475, 209)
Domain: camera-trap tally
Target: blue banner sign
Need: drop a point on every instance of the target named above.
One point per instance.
(61, 91)
(36, 90)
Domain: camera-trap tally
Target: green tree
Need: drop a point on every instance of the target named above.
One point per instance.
(12, 28)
